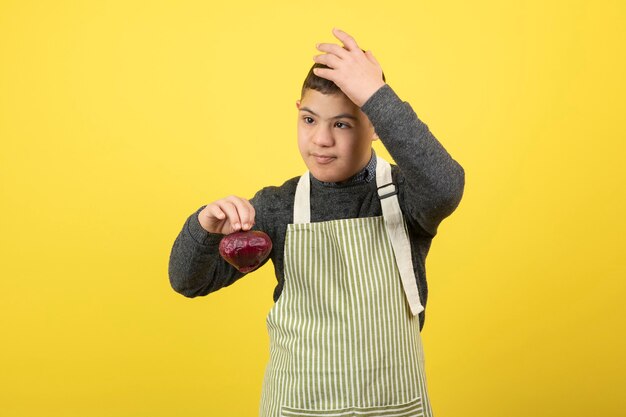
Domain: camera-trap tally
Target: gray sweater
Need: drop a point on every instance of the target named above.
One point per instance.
(430, 186)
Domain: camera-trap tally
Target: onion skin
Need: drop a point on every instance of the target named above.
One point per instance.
(245, 250)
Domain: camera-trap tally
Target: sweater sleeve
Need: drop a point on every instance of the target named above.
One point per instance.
(195, 265)
(431, 183)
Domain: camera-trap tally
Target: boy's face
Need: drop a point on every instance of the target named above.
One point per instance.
(334, 136)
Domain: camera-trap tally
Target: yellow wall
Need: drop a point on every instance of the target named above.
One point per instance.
(119, 119)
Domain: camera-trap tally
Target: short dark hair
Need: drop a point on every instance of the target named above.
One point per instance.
(320, 84)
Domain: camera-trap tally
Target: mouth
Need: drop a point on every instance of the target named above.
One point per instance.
(323, 159)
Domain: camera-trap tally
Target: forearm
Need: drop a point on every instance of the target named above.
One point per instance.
(434, 182)
(195, 266)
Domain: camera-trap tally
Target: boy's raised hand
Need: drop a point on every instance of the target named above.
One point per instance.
(357, 74)
(227, 215)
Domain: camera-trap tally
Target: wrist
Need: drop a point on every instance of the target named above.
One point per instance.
(199, 233)
(202, 220)
(369, 92)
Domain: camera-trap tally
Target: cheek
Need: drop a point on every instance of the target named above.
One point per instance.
(352, 141)
(301, 141)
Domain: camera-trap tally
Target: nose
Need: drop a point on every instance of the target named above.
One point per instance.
(323, 136)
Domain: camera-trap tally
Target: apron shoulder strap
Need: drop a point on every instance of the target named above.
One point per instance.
(302, 202)
(398, 235)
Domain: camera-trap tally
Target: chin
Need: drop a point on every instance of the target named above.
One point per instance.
(322, 176)
(326, 174)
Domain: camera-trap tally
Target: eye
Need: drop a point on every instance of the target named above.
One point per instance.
(307, 119)
(339, 124)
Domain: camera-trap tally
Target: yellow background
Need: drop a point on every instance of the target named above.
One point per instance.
(118, 119)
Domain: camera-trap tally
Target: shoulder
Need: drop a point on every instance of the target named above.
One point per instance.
(396, 174)
(415, 220)
(275, 200)
(274, 205)
(273, 194)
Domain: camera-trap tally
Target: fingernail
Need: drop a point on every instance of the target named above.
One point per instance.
(236, 226)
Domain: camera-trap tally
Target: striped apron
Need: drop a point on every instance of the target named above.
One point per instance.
(344, 333)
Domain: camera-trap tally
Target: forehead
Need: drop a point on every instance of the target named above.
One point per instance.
(329, 105)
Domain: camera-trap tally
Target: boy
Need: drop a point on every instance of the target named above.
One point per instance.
(350, 239)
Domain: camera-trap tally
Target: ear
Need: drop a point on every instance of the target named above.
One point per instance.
(374, 134)
(298, 104)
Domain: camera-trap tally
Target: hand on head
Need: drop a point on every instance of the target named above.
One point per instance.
(358, 74)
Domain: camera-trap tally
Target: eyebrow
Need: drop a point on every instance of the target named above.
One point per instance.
(339, 116)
